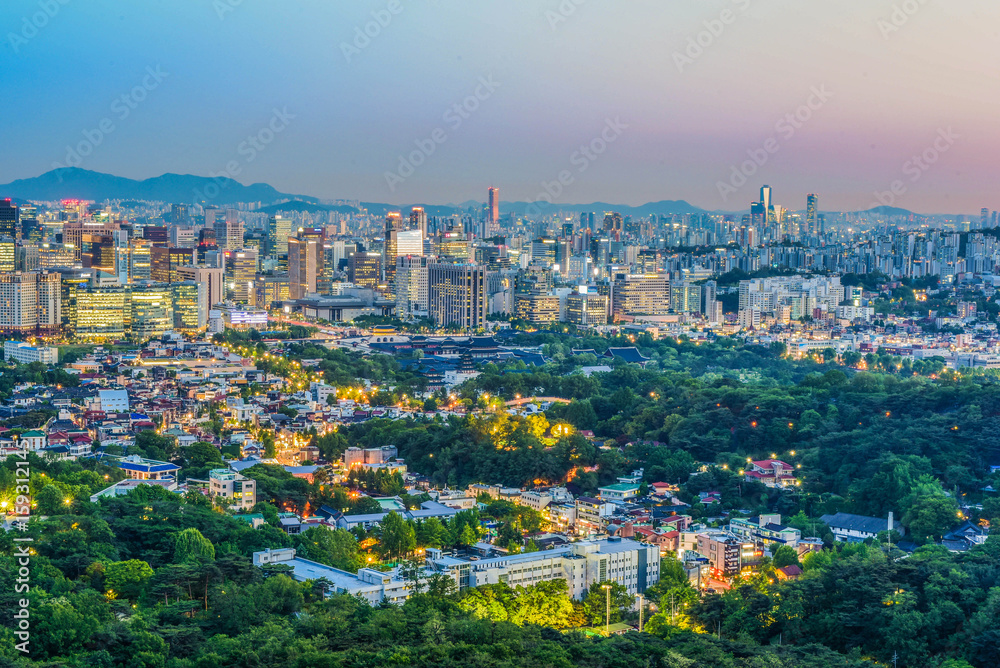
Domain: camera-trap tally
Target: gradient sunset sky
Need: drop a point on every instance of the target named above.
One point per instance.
(562, 74)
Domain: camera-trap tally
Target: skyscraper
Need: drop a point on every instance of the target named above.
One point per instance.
(812, 223)
(493, 223)
(228, 230)
(418, 221)
(393, 226)
(457, 294)
(278, 231)
(241, 270)
(613, 225)
(365, 269)
(765, 198)
(305, 262)
(10, 220)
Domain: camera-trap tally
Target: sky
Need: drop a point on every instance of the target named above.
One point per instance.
(860, 101)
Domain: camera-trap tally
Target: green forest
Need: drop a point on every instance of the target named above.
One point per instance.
(158, 579)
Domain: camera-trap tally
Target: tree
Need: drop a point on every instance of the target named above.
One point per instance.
(930, 517)
(190, 546)
(125, 579)
(595, 603)
(785, 556)
(398, 537)
(337, 548)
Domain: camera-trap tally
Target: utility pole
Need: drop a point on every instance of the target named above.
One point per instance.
(640, 612)
(895, 658)
(607, 620)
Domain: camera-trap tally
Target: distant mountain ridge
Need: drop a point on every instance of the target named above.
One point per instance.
(76, 183)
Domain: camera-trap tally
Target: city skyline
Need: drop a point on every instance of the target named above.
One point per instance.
(667, 114)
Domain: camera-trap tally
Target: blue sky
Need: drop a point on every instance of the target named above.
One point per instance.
(560, 71)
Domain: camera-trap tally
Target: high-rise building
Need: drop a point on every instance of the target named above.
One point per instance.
(457, 294)
(765, 198)
(30, 303)
(212, 278)
(164, 262)
(73, 233)
(140, 260)
(152, 307)
(278, 231)
(587, 309)
(365, 269)
(390, 251)
(241, 271)
(228, 230)
(613, 225)
(410, 242)
(305, 263)
(493, 223)
(418, 221)
(8, 254)
(179, 214)
(812, 223)
(640, 294)
(190, 304)
(271, 290)
(10, 219)
(412, 292)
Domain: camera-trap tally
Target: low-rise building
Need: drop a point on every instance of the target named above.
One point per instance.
(765, 530)
(618, 493)
(25, 353)
(858, 528)
(234, 487)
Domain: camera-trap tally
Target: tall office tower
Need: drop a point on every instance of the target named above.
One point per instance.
(305, 263)
(189, 300)
(984, 218)
(418, 221)
(410, 242)
(365, 269)
(179, 214)
(640, 294)
(457, 295)
(98, 252)
(241, 270)
(31, 229)
(812, 222)
(8, 254)
(212, 214)
(278, 231)
(152, 311)
(271, 290)
(411, 286)
(393, 226)
(821, 218)
(164, 263)
(31, 303)
(613, 225)
(27, 258)
(140, 260)
(73, 233)
(758, 214)
(10, 220)
(212, 278)
(158, 234)
(765, 198)
(229, 230)
(493, 213)
(206, 243)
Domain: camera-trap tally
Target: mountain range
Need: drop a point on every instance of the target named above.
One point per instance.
(77, 183)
